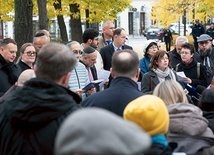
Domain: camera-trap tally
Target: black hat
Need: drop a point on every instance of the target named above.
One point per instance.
(89, 50)
(197, 21)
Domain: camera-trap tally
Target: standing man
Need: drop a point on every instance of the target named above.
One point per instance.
(210, 31)
(197, 30)
(107, 34)
(41, 38)
(123, 89)
(32, 115)
(206, 51)
(90, 38)
(167, 38)
(119, 40)
(9, 72)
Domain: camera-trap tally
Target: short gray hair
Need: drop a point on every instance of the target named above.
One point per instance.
(182, 39)
(53, 61)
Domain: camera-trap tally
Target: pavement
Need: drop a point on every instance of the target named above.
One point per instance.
(137, 42)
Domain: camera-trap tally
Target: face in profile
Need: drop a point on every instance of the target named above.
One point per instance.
(9, 52)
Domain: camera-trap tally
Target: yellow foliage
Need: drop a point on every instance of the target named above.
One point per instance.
(168, 11)
(99, 9)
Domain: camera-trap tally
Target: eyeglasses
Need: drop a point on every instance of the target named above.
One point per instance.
(185, 53)
(30, 53)
(77, 52)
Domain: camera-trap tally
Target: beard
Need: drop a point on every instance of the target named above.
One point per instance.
(205, 53)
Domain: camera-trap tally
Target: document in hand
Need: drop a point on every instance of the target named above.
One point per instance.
(181, 76)
(92, 84)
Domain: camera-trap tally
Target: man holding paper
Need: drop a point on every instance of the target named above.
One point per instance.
(123, 89)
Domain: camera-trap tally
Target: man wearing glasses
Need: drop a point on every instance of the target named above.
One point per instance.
(9, 72)
(206, 51)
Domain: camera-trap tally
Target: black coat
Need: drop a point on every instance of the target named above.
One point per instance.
(116, 97)
(167, 35)
(9, 73)
(23, 65)
(197, 30)
(176, 58)
(191, 72)
(107, 52)
(31, 116)
(158, 149)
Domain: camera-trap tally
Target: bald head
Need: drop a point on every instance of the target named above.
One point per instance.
(125, 63)
(25, 76)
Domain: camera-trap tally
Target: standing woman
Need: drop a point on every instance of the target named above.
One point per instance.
(160, 70)
(27, 56)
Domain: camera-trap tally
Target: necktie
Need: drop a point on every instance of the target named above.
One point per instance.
(108, 42)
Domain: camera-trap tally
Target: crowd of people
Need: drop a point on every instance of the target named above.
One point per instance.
(44, 108)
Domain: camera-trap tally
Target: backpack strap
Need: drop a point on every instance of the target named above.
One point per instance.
(176, 67)
(198, 69)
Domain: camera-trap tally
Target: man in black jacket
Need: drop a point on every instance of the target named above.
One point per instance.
(197, 30)
(9, 72)
(31, 116)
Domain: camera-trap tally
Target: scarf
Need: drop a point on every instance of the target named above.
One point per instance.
(163, 74)
(160, 139)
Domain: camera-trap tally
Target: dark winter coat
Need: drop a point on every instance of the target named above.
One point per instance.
(23, 65)
(191, 72)
(176, 58)
(116, 97)
(31, 116)
(158, 149)
(197, 30)
(9, 73)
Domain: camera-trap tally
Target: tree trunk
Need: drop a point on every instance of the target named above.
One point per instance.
(87, 16)
(75, 23)
(61, 22)
(23, 22)
(43, 16)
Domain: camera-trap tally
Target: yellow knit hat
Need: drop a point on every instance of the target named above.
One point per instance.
(150, 113)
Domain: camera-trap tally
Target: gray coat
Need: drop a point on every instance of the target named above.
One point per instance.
(150, 81)
(189, 130)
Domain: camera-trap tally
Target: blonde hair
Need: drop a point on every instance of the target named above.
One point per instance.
(170, 92)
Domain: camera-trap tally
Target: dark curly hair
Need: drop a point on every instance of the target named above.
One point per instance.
(89, 33)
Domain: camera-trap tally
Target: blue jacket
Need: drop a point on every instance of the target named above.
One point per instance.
(144, 65)
(116, 97)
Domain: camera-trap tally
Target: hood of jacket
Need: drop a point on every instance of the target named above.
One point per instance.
(38, 102)
(187, 119)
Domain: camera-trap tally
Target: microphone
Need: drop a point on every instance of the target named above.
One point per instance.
(200, 89)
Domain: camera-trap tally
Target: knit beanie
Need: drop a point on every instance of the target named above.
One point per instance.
(148, 44)
(150, 113)
(98, 131)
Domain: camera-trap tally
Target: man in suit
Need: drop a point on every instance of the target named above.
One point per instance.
(123, 89)
(119, 40)
(107, 34)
